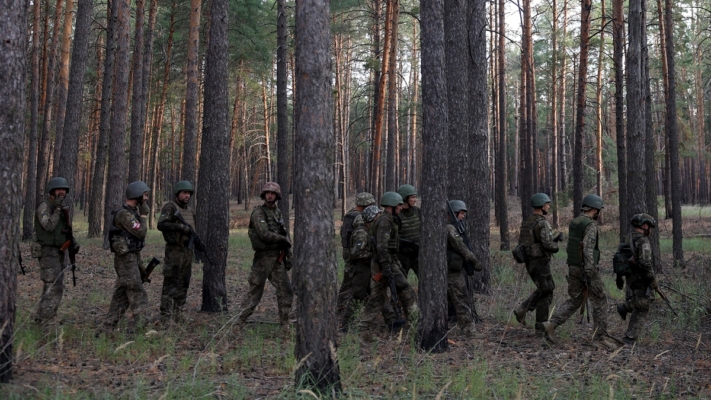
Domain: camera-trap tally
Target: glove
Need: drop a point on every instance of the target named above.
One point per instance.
(387, 271)
(590, 273)
(143, 209)
(654, 285)
(559, 237)
(620, 282)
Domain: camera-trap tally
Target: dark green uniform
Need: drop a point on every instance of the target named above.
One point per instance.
(361, 253)
(50, 231)
(268, 237)
(637, 288)
(457, 255)
(347, 228)
(580, 269)
(409, 221)
(127, 238)
(536, 236)
(177, 267)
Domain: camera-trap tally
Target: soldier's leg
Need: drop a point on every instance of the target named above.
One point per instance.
(257, 278)
(119, 299)
(640, 311)
(545, 287)
(186, 271)
(52, 278)
(598, 300)
(344, 293)
(284, 293)
(405, 293)
(459, 296)
(573, 303)
(359, 290)
(136, 294)
(171, 273)
(375, 302)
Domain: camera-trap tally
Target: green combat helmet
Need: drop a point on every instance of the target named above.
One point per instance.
(640, 219)
(391, 199)
(136, 189)
(593, 201)
(539, 200)
(457, 206)
(56, 183)
(406, 191)
(271, 187)
(364, 199)
(183, 186)
(370, 213)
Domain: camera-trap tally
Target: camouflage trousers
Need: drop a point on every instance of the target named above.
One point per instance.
(636, 302)
(409, 263)
(345, 291)
(128, 290)
(265, 266)
(359, 291)
(52, 276)
(540, 300)
(458, 296)
(176, 280)
(596, 295)
(378, 295)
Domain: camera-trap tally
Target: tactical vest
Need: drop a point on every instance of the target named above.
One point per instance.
(409, 224)
(637, 279)
(134, 244)
(387, 218)
(274, 223)
(530, 237)
(347, 227)
(455, 262)
(576, 233)
(58, 236)
(179, 238)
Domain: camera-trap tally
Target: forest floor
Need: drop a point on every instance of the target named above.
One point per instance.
(204, 359)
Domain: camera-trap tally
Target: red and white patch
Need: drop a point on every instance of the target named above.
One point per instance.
(136, 224)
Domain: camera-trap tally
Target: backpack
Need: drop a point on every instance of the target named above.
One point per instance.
(519, 254)
(623, 259)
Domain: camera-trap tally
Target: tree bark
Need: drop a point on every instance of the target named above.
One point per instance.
(562, 156)
(147, 63)
(315, 272)
(618, 40)
(501, 175)
(282, 112)
(213, 202)
(31, 179)
(554, 118)
(63, 83)
(458, 131)
(13, 67)
(376, 179)
(578, 173)
(598, 101)
(191, 95)
(432, 295)
(135, 153)
(391, 172)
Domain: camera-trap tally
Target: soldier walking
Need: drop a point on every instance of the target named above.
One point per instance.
(457, 255)
(409, 221)
(540, 244)
(584, 280)
(641, 281)
(178, 257)
(127, 237)
(272, 257)
(51, 228)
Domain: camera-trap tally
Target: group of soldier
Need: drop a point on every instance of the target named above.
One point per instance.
(380, 246)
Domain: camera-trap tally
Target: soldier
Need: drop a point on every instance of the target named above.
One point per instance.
(641, 282)
(457, 255)
(540, 244)
(51, 228)
(584, 280)
(178, 257)
(272, 255)
(409, 221)
(127, 236)
(385, 266)
(362, 201)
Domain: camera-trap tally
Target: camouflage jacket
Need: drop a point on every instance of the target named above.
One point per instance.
(457, 251)
(643, 269)
(266, 229)
(169, 225)
(50, 224)
(590, 246)
(384, 231)
(361, 247)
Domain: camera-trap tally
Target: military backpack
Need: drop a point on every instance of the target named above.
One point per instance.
(623, 259)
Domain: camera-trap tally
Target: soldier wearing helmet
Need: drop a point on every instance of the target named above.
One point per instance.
(583, 275)
(51, 227)
(386, 266)
(409, 222)
(269, 240)
(362, 201)
(457, 255)
(127, 237)
(177, 269)
(540, 244)
(641, 282)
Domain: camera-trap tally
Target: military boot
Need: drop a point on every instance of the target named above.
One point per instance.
(520, 314)
(622, 310)
(549, 327)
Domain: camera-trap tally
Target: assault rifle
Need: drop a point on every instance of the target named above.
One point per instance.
(146, 272)
(194, 243)
(459, 226)
(409, 246)
(285, 250)
(394, 301)
(664, 297)
(71, 245)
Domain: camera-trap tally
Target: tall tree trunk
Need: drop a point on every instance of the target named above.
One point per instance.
(315, 271)
(191, 95)
(96, 205)
(666, 177)
(391, 172)
(618, 40)
(282, 112)
(598, 100)
(526, 180)
(412, 156)
(63, 83)
(459, 169)
(267, 134)
(31, 179)
(562, 155)
(13, 67)
(147, 63)
(135, 153)
(636, 200)
(432, 295)
(501, 157)
(673, 138)
(376, 171)
(213, 202)
(70, 146)
(578, 173)
(554, 116)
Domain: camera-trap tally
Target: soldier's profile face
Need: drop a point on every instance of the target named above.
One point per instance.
(184, 196)
(398, 209)
(545, 208)
(461, 215)
(60, 193)
(412, 200)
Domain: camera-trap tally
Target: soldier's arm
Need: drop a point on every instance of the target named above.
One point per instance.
(644, 257)
(48, 217)
(259, 224)
(547, 238)
(382, 237)
(127, 221)
(589, 241)
(456, 242)
(360, 245)
(167, 221)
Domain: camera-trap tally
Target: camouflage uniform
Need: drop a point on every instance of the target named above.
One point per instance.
(584, 230)
(409, 221)
(269, 239)
(347, 229)
(384, 230)
(457, 293)
(127, 239)
(538, 241)
(178, 258)
(637, 288)
(50, 231)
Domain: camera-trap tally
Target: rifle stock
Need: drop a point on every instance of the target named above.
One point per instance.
(71, 245)
(666, 300)
(146, 273)
(470, 268)
(194, 243)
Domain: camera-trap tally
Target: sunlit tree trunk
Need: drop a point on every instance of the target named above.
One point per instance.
(391, 172)
(63, 83)
(189, 171)
(578, 173)
(136, 145)
(282, 112)
(31, 179)
(501, 198)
